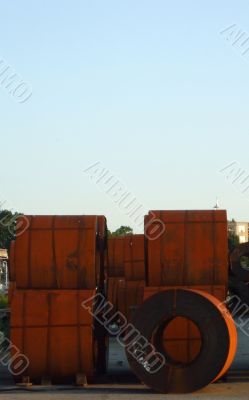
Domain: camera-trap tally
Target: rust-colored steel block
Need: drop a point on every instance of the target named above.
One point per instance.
(59, 252)
(54, 331)
(192, 250)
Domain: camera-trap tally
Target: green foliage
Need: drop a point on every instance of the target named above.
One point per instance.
(3, 301)
(233, 241)
(7, 228)
(122, 231)
(4, 321)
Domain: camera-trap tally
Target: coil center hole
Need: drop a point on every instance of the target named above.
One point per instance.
(181, 339)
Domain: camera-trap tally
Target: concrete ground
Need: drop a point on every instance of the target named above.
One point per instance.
(231, 390)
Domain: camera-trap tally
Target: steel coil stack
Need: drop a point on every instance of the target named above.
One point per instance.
(182, 316)
(126, 273)
(56, 264)
(164, 292)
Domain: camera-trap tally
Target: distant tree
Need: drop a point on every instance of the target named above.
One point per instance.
(7, 228)
(233, 241)
(122, 231)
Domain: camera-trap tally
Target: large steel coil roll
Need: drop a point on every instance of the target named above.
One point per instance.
(217, 333)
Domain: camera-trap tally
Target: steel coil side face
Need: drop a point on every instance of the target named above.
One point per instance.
(130, 297)
(54, 331)
(125, 296)
(192, 250)
(58, 252)
(216, 338)
(113, 286)
(181, 337)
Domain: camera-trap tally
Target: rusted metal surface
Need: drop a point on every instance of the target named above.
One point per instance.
(113, 285)
(218, 291)
(233, 337)
(214, 356)
(191, 251)
(55, 332)
(126, 257)
(182, 339)
(126, 272)
(59, 252)
(116, 254)
(134, 268)
(129, 297)
(125, 296)
(236, 263)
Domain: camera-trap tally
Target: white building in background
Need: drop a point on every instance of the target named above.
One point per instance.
(240, 229)
(4, 275)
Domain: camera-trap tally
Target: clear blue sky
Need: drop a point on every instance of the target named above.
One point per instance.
(150, 89)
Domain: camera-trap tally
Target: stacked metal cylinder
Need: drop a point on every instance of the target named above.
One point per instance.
(56, 264)
(125, 273)
(170, 288)
(183, 312)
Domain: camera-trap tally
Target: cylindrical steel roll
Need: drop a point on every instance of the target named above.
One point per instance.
(60, 252)
(218, 341)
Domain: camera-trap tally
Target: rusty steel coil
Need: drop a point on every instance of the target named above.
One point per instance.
(59, 252)
(192, 249)
(218, 291)
(236, 262)
(181, 337)
(216, 331)
(126, 257)
(55, 333)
